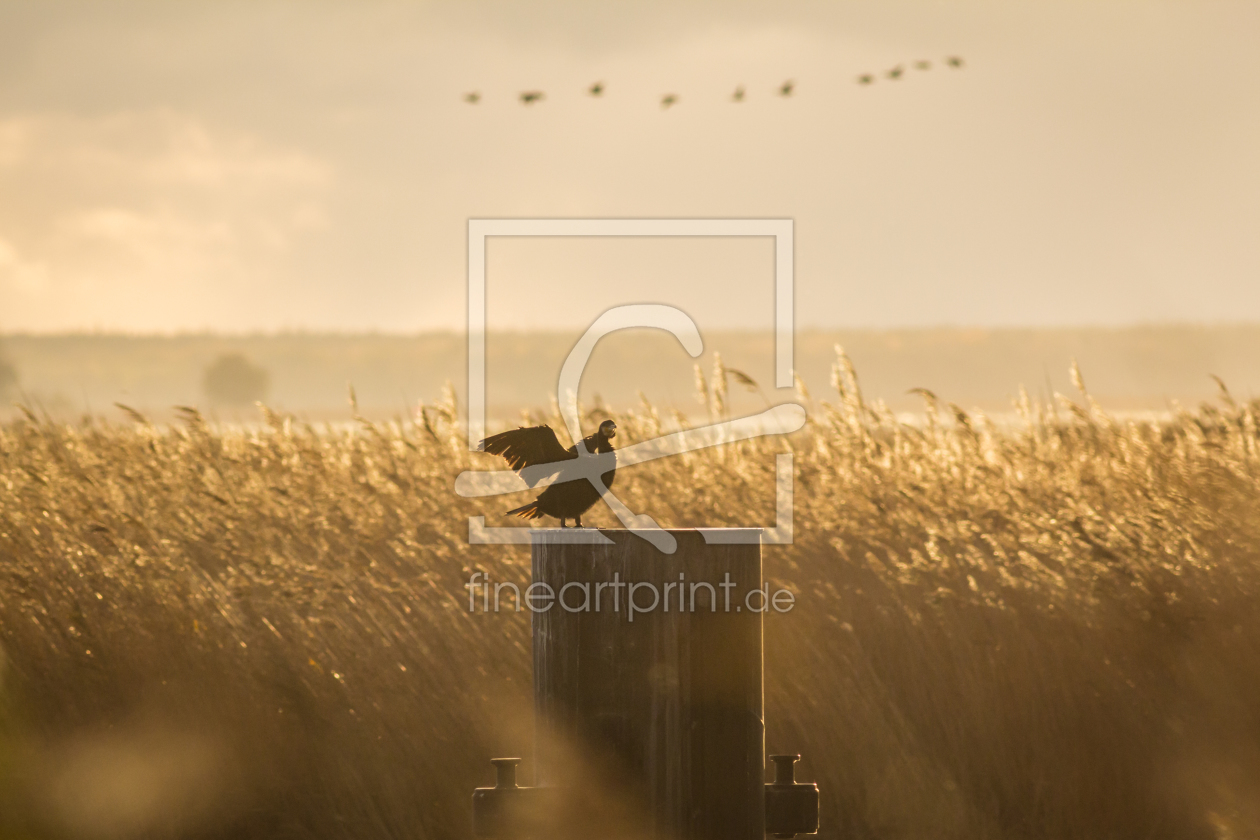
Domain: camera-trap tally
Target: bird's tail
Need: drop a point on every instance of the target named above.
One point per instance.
(529, 511)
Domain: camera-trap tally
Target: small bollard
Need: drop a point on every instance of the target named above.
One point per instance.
(791, 807)
(505, 773)
(507, 810)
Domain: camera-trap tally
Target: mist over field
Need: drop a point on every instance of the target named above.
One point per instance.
(309, 374)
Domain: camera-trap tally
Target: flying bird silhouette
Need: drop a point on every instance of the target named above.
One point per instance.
(954, 61)
(535, 453)
(472, 97)
(738, 95)
(923, 65)
(865, 79)
(596, 89)
(896, 72)
(668, 100)
(785, 89)
(529, 97)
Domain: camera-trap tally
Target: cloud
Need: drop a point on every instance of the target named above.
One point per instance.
(14, 141)
(124, 209)
(158, 147)
(22, 274)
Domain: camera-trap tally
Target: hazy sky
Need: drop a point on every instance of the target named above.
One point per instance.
(262, 165)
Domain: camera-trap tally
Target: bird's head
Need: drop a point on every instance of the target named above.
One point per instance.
(608, 429)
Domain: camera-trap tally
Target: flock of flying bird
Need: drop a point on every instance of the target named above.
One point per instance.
(529, 97)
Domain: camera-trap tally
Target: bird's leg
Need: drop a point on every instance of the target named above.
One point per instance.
(562, 525)
(579, 521)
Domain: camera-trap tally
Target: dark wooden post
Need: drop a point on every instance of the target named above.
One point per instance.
(649, 721)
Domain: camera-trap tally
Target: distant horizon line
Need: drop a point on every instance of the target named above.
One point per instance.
(558, 331)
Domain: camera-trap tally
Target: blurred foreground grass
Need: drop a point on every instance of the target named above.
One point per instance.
(1048, 630)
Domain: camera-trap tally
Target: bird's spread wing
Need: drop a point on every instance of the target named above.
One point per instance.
(528, 447)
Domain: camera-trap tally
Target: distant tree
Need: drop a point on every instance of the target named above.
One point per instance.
(8, 379)
(233, 379)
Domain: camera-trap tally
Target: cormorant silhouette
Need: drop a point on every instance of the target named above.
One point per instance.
(535, 453)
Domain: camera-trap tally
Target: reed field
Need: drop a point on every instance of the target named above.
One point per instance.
(1038, 629)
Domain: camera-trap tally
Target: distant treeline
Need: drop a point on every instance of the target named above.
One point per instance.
(1132, 368)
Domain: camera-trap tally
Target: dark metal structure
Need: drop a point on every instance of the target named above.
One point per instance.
(648, 696)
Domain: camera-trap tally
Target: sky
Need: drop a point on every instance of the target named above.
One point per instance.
(264, 166)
